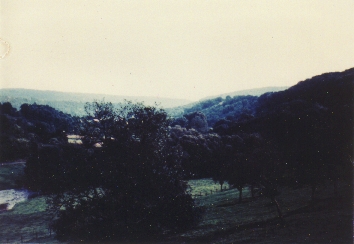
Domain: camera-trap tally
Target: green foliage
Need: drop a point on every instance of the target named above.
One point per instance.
(13, 145)
(47, 120)
(198, 150)
(219, 108)
(10, 175)
(34, 122)
(126, 184)
(310, 127)
(13, 148)
(197, 121)
(6, 108)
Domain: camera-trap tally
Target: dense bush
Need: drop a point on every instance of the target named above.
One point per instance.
(124, 183)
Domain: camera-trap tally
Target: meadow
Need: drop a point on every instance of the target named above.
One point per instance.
(27, 221)
(224, 221)
(329, 220)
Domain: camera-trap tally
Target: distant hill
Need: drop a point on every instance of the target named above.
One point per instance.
(251, 92)
(73, 103)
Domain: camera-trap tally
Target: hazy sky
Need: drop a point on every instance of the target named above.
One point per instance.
(179, 49)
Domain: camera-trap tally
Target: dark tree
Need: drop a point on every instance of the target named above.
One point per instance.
(54, 169)
(46, 121)
(182, 121)
(6, 108)
(200, 151)
(197, 121)
(128, 185)
(228, 164)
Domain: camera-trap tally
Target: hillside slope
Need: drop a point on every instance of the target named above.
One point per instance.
(328, 90)
(249, 92)
(73, 103)
(228, 105)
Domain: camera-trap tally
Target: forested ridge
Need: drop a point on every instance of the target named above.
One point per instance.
(73, 103)
(229, 105)
(126, 180)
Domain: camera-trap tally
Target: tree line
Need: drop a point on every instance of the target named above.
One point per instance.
(31, 123)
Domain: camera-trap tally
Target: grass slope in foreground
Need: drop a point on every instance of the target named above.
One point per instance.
(224, 221)
(27, 221)
(256, 221)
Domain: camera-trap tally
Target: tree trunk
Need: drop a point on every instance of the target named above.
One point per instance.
(221, 186)
(278, 208)
(313, 189)
(239, 194)
(252, 191)
(335, 186)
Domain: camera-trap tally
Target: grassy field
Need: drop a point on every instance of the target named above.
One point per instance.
(204, 187)
(225, 220)
(329, 220)
(27, 221)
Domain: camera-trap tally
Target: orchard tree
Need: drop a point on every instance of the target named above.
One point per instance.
(237, 163)
(200, 151)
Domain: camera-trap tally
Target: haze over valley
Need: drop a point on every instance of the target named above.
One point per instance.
(73, 103)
